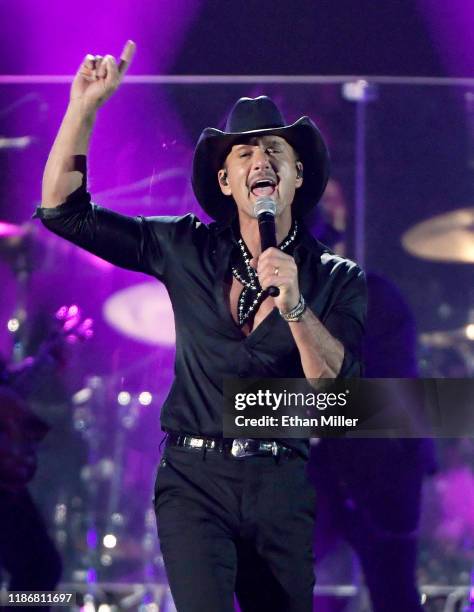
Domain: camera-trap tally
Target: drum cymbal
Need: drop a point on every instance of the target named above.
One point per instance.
(446, 237)
(142, 312)
(449, 338)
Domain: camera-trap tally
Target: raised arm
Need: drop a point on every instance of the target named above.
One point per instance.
(95, 81)
(134, 243)
(142, 244)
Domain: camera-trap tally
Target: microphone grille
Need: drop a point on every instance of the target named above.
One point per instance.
(264, 204)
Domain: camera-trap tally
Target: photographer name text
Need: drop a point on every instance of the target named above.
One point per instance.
(295, 421)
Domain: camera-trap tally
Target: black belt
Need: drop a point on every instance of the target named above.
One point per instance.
(237, 447)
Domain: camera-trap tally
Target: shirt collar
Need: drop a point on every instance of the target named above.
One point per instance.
(306, 241)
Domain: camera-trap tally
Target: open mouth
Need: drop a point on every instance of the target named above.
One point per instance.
(263, 187)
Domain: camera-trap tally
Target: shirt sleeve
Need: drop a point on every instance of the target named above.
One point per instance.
(135, 243)
(346, 320)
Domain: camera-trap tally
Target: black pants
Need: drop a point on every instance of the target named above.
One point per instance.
(26, 551)
(236, 525)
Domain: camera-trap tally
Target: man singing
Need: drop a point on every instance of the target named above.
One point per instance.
(228, 522)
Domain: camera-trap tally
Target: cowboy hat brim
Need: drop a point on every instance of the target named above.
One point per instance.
(214, 145)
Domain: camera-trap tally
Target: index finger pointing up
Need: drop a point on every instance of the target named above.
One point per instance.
(126, 56)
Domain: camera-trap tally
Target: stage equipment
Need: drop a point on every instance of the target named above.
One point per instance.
(117, 536)
(449, 338)
(448, 237)
(142, 312)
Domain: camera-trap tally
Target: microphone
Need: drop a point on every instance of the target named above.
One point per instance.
(265, 209)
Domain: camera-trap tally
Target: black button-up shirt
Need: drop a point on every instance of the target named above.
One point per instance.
(193, 260)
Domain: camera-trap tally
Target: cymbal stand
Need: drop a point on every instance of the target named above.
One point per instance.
(86, 422)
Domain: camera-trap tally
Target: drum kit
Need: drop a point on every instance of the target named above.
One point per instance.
(449, 238)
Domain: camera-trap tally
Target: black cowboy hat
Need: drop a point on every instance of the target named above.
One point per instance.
(258, 117)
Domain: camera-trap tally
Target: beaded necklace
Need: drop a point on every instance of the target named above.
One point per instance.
(252, 295)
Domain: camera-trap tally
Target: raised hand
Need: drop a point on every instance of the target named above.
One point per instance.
(98, 77)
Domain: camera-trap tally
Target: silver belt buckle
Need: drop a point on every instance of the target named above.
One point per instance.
(196, 442)
(239, 448)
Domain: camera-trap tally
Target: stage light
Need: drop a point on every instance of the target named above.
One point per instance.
(124, 398)
(106, 560)
(110, 541)
(148, 607)
(13, 325)
(145, 398)
(61, 313)
(470, 331)
(91, 578)
(71, 323)
(88, 604)
(73, 311)
(117, 518)
(60, 514)
(105, 468)
(91, 539)
(359, 91)
(82, 396)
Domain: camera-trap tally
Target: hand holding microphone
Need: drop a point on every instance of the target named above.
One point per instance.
(265, 210)
(274, 265)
